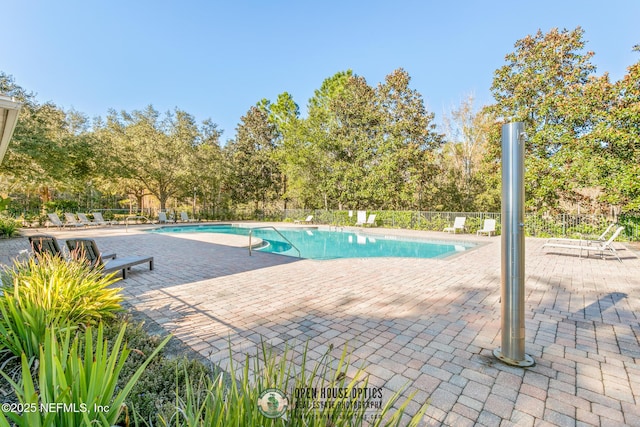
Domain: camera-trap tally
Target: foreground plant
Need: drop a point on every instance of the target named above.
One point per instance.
(76, 383)
(51, 293)
(235, 402)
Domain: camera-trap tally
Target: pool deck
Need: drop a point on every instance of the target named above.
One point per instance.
(428, 323)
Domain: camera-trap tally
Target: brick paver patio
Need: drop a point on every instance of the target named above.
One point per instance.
(431, 324)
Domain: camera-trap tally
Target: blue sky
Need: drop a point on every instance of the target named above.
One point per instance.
(215, 59)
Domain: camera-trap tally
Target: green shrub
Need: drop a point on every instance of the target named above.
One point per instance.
(80, 381)
(155, 392)
(51, 293)
(236, 405)
(8, 227)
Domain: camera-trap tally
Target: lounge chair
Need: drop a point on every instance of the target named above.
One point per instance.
(87, 249)
(85, 221)
(42, 244)
(361, 218)
(488, 227)
(162, 217)
(458, 224)
(55, 220)
(589, 246)
(371, 221)
(185, 218)
(99, 219)
(307, 220)
(600, 238)
(71, 220)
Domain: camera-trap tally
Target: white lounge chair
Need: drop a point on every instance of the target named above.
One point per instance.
(488, 227)
(600, 238)
(185, 218)
(162, 217)
(361, 218)
(458, 224)
(590, 246)
(307, 220)
(371, 221)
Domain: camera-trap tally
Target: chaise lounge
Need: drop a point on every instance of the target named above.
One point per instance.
(590, 246)
(87, 249)
(43, 244)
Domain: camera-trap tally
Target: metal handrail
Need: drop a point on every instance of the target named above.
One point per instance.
(136, 217)
(276, 230)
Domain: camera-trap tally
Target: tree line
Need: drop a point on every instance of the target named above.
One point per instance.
(358, 146)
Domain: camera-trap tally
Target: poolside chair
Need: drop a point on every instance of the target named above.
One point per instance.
(361, 218)
(162, 217)
(590, 246)
(71, 220)
(85, 221)
(458, 224)
(55, 220)
(87, 249)
(99, 219)
(44, 244)
(371, 221)
(488, 227)
(307, 220)
(600, 238)
(185, 218)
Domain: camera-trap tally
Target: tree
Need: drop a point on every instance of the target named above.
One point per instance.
(618, 139)
(50, 149)
(539, 75)
(284, 114)
(207, 172)
(467, 132)
(154, 151)
(407, 140)
(255, 176)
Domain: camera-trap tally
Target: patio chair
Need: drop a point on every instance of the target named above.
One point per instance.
(84, 220)
(307, 220)
(371, 221)
(488, 227)
(99, 219)
(590, 246)
(361, 218)
(55, 220)
(600, 238)
(458, 224)
(185, 218)
(71, 220)
(87, 249)
(162, 217)
(42, 244)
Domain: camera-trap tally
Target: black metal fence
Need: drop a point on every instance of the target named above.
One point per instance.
(563, 225)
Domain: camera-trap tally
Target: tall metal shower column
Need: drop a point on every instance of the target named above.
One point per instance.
(512, 293)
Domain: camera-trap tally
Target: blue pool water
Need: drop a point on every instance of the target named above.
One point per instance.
(321, 244)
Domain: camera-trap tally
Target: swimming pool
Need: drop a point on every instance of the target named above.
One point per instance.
(316, 243)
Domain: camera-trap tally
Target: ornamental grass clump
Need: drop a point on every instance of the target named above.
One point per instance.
(348, 400)
(51, 293)
(77, 381)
